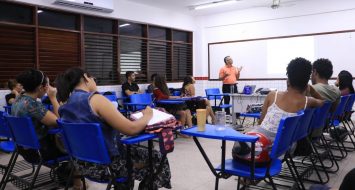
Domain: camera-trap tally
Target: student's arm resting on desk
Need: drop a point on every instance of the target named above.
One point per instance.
(105, 109)
(128, 92)
(267, 102)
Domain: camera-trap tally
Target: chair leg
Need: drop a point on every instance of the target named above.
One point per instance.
(216, 183)
(68, 180)
(7, 169)
(35, 176)
(272, 183)
(238, 186)
(294, 172)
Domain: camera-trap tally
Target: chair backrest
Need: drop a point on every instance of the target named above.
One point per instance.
(210, 91)
(111, 97)
(23, 132)
(7, 109)
(350, 104)
(4, 127)
(176, 93)
(341, 106)
(304, 124)
(320, 116)
(85, 142)
(285, 131)
(145, 98)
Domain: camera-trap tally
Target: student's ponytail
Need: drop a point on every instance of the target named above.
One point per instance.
(67, 82)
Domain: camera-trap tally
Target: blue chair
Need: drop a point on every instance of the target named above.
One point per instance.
(347, 116)
(5, 145)
(334, 128)
(255, 116)
(24, 136)
(139, 102)
(215, 94)
(318, 123)
(281, 145)
(85, 142)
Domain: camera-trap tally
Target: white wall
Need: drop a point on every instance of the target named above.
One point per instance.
(310, 16)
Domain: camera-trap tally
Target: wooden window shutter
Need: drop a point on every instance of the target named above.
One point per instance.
(182, 61)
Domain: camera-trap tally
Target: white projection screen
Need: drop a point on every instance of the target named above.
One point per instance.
(268, 58)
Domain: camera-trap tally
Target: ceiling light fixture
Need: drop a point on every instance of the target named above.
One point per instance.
(213, 4)
(123, 25)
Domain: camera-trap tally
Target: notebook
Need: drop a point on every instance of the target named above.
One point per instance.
(158, 116)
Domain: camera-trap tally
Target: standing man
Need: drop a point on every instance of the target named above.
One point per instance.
(229, 75)
(130, 87)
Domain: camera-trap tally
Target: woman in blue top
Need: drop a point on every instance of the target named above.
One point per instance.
(82, 103)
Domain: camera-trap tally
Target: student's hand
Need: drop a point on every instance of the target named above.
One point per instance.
(52, 92)
(148, 112)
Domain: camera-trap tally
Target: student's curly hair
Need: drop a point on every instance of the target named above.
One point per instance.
(323, 67)
(298, 72)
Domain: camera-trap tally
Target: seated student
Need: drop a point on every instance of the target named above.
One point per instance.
(151, 87)
(16, 90)
(84, 104)
(130, 87)
(281, 104)
(188, 90)
(161, 92)
(36, 85)
(345, 83)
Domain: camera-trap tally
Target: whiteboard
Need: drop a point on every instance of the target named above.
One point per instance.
(268, 58)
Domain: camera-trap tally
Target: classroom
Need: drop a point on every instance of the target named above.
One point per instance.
(177, 94)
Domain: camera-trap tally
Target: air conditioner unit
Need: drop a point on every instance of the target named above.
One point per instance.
(93, 5)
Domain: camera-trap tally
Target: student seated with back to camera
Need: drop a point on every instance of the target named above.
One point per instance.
(278, 105)
(161, 92)
(188, 90)
(77, 89)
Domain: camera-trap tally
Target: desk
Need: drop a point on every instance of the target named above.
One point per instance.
(240, 102)
(227, 134)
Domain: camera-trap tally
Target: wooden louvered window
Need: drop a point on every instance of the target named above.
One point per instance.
(182, 55)
(17, 51)
(17, 40)
(133, 57)
(182, 61)
(52, 40)
(58, 51)
(100, 46)
(160, 59)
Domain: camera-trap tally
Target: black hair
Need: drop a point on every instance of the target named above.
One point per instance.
(67, 81)
(323, 67)
(346, 81)
(160, 83)
(31, 79)
(128, 74)
(11, 84)
(153, 76)
(298, 73)
(225, 59)
(187, 80)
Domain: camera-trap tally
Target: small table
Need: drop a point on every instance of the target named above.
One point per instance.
(223, 135)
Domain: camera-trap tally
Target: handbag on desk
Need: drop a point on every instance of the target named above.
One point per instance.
(254, 108)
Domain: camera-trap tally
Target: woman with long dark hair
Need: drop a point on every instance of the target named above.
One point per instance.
(83, 104)
(188, 90)
(345, 82)
(161, 92)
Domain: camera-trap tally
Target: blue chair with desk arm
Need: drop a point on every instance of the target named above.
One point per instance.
(24, 136)
(85, 143)
(215, 94)
(138, 102)
(111, 95)
(231, 167)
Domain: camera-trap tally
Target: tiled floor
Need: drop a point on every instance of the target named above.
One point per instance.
(190, 172)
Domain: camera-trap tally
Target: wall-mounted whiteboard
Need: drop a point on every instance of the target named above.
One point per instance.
(268, 58)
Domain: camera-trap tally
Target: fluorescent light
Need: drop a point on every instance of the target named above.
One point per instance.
(39, 11)
(214, 4)
(123, 25)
